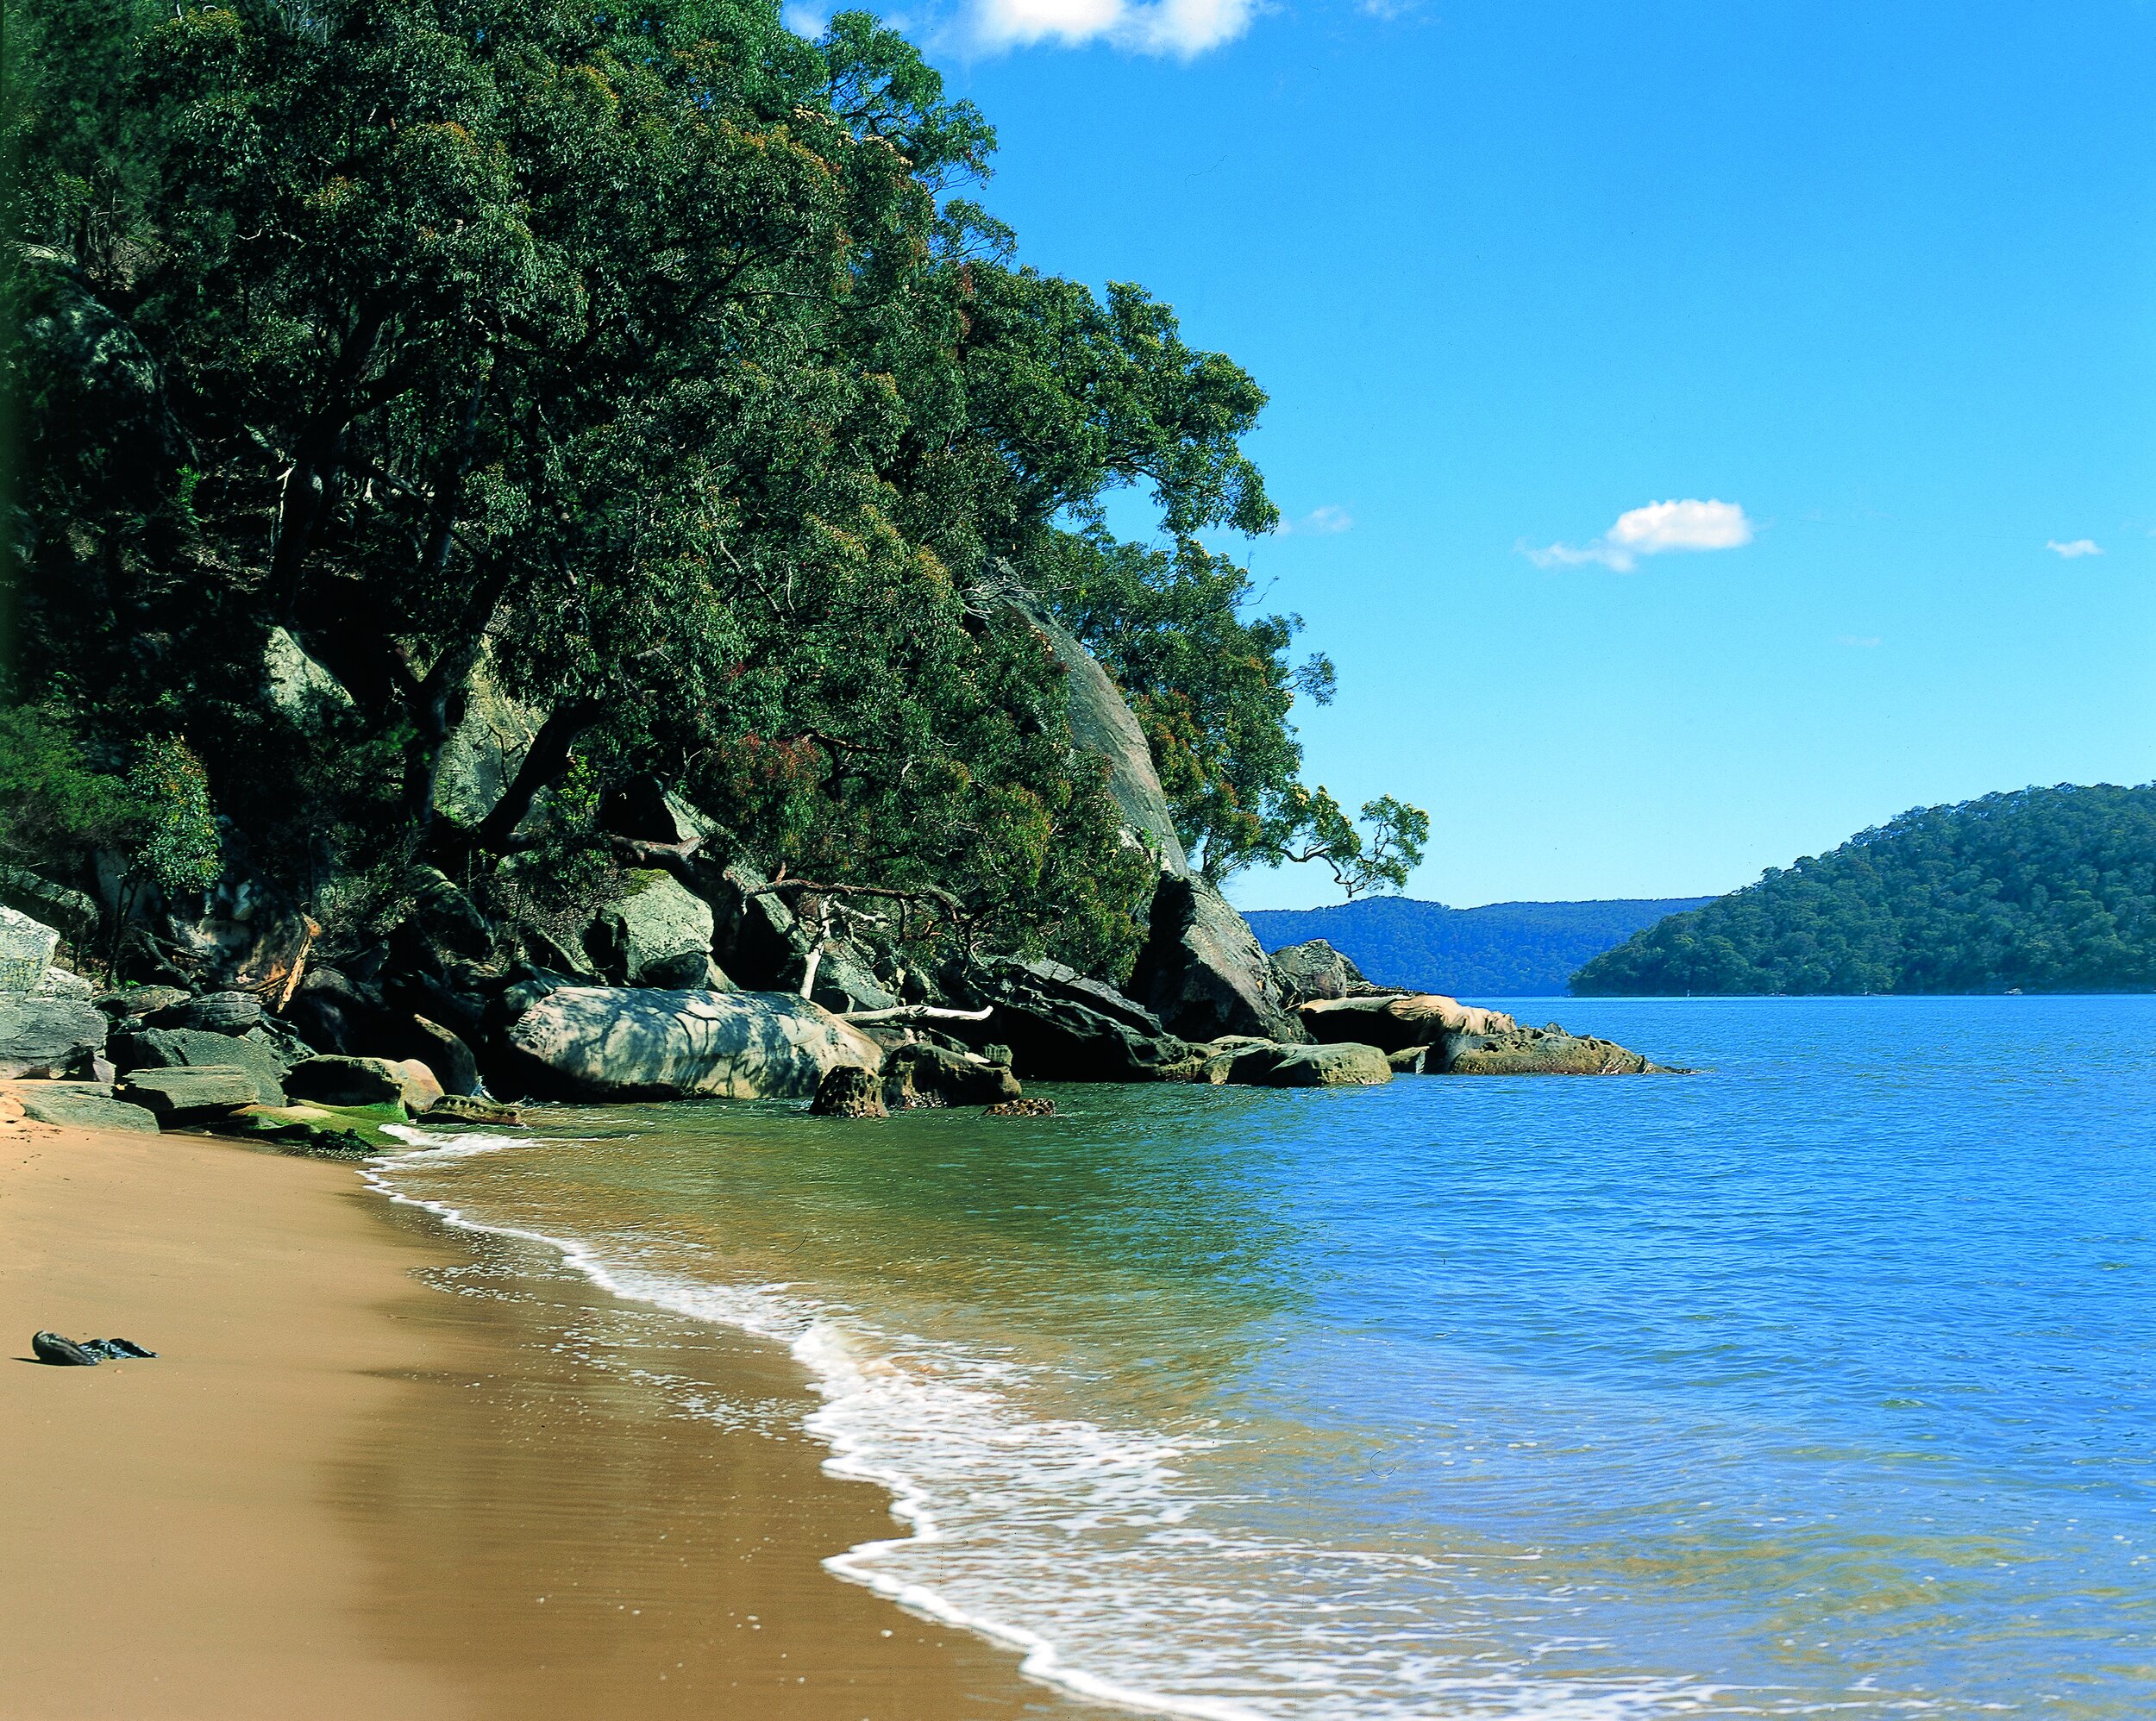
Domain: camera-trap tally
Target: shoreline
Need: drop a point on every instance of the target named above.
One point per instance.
(386, 1466)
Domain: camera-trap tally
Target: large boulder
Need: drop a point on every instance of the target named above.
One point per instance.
(1314, 970)
(214, 1012)
(1299, 1066)
(1061, 1026)
(1539, 1051)
(189, 1096)
(920, 1074)
(848, 1093)
(764, 945)
(48, 1036)
(71, 912)
(654, 933)
(364, 1081)
(26, 951)
(1201, 970)
(173, 1048)
(1393, 1021)
(297, 685)
(81, 1105)
(1101, 723)
(607, 1042)
(481, 756)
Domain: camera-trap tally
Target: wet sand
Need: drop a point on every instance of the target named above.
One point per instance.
(383, 1469)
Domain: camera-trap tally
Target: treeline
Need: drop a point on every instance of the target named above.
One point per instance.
(645, 371)
(2043, 890)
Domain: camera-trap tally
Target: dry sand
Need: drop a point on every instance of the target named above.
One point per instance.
(343, 1491)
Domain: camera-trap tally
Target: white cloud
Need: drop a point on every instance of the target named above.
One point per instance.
(1650, 530)
(804, 22)
(1181, 28)
(2078, 547)
(1323, 522)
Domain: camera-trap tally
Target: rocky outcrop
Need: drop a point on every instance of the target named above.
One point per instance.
(173, 1048)
(189, 1096)
(848, 1093)
(1393, 1021)
(602, 1043)
(479, 759)
(25, 950)
(1270, 1065)
(921, 1075)
(213, 1012)
(654, 934)
(298, 686)
(1539, 1051)
(80, 1105)
(764, 945)
(49, 1036)
(1315, 970)
(1428, 1034)
(1201, 970)
(1060, 1026)
(71, 912)
(364, 1081)
(1102, 722)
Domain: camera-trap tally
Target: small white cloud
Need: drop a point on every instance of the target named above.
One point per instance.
(1863, 642)
(1323, 522)
(2078, 546)
(1650, 531)
(804, 22)
(1181, 28)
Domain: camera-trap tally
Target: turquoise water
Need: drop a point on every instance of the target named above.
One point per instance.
(1820, 1383)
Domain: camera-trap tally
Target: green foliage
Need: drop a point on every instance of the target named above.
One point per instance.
(177, 850)
(2046, 890)
(55, 805)
(651, 357)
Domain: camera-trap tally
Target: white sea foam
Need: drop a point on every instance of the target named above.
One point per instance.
(1159, 1604)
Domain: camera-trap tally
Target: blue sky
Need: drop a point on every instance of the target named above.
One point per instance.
(1876, 279)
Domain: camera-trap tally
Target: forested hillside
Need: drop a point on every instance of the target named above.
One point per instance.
(604, 397)
(2046, 890)
(1498, 950)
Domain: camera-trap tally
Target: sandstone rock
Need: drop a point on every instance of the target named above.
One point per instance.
(1201, 970)
(1102, 722)
(297, 685)
(654, 934)
(61, 983)
(1061, 1026)
(189, 1095)
(1346, 1065)
(214, 1012)
(604, 1042)
(423, 1092)
(1314, 970)
(444, 919)
(480, 758)
(135, 1002)
(81, 1105)
(71, 912)
(1392, 1021)
(48, 1036)
(25, 950)
(362, 1081)
(1539, 1051)
(923, 1075)
(847, 1091)
(150, 1049)
(447, 1056)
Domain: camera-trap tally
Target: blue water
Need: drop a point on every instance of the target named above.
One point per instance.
(1821, 1382)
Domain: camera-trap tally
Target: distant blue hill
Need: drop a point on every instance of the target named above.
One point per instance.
(1502, 950)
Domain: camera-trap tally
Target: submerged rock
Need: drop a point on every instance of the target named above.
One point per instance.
(1201, 970)
(1540, 1051)
(922, 1075)
(604, 1043)
(1273, 1065)
(848, 1093)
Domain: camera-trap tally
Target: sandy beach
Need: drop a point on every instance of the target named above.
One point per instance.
(367, 1477)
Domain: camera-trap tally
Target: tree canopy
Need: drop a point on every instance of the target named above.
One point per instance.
(650, 367)
(2042, 890)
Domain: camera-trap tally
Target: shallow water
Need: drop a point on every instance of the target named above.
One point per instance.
(1820, 1383)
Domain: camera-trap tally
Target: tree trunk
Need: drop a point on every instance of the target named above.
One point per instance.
(549, 757)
